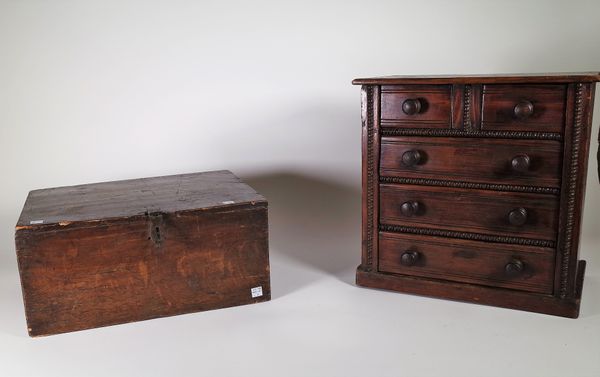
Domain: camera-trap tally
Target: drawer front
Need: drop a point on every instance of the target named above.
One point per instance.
(519, 162)
(509, 266)
(478, 211)
(524, 107)
(416, 106)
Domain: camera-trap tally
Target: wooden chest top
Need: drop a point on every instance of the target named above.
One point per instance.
(514, 78)
(111, 200)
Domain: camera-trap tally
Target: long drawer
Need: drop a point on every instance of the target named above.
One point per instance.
(479, 211)
(495, 161)
(501, 265)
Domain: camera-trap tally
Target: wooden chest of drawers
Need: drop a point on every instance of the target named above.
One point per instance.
(473, 187)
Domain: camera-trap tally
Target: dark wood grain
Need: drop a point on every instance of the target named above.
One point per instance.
(461, 100)
(523, 107)
(468, 210)
(88, 273)
(478, 160)
(468, 261)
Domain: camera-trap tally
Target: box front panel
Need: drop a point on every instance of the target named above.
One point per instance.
(83, 276)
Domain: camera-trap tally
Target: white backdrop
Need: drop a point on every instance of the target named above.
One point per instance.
(103, 90)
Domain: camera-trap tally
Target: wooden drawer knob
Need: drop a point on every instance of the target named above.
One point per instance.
(523, 109)
(517, 217)
(409, 258)
(412, 106)
(521, 163)
(514, 267)
(410, 208)
(412, 158)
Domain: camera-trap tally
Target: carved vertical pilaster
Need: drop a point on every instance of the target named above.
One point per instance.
(566, 247)
(467, 124)
(370, 147)
(370, 176)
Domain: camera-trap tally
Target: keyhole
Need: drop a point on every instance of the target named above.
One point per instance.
(155, 236)
(156, 222)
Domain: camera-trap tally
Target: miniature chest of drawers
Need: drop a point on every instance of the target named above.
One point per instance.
(115, 252)
(473, 187)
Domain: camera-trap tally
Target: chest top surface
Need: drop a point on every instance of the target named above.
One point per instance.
(133, 197)
(510, 78)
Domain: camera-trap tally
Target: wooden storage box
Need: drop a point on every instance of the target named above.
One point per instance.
(108, 253)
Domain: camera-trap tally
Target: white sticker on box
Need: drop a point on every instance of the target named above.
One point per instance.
(256, 292)
(34, 222)
(228, 202)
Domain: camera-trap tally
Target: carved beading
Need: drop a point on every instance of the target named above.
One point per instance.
(467, 108)
(370, 176)
(470, 185)
(571, 191)
(465, 133)
(466, 235)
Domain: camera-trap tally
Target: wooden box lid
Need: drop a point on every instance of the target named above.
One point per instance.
(120, 199)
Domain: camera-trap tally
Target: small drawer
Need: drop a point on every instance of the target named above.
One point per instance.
(510, 266)
(465, 210)
(524, 107)
(494, 161)
(416, 106)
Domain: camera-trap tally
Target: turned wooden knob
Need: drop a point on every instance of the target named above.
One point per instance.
(412, 158)
(521, 163)
(517, 216)
(523, 109)
(514, 267)
(411, 106)
(409, 258)
(410, 208)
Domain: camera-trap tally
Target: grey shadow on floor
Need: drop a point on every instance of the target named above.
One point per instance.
(312, 221)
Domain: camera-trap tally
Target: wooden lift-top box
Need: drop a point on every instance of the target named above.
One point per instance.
(116, 252)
